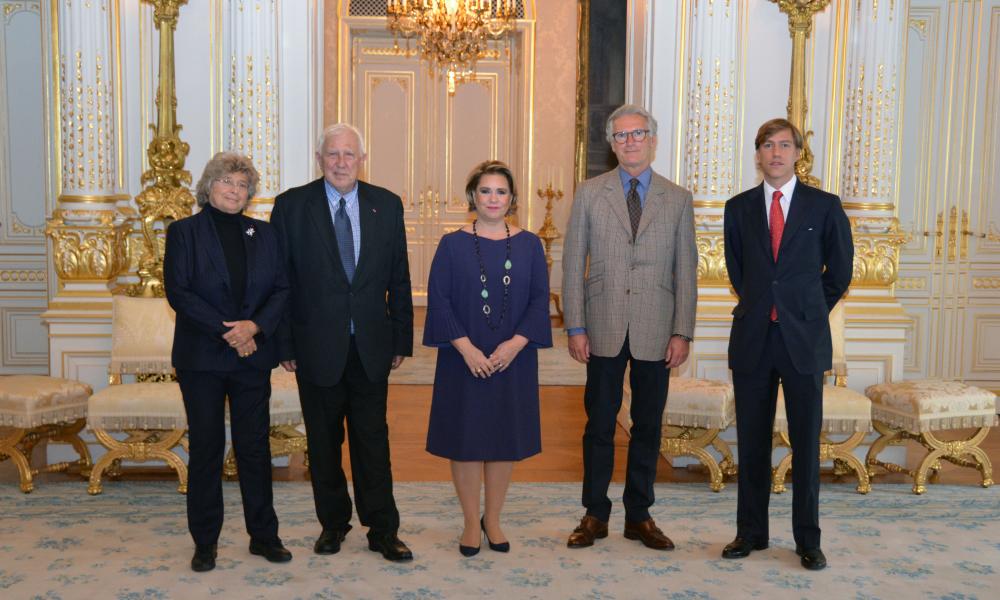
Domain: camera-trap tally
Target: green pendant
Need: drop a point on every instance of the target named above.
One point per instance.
(507, 264)
(485, 294)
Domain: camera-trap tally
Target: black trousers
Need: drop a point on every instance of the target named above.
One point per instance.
(756, 398)
(249, 393)
(602, 399)
(363, 404)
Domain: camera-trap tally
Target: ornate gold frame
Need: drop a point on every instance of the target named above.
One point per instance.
(841, 453)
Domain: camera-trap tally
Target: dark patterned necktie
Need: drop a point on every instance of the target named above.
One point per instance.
(634, 205)
(345, 239)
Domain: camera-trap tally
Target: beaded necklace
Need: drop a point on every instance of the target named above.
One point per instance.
(482, 278)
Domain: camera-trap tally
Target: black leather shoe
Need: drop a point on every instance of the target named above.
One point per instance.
(204, 558)
(812, 559)
(272, 551)
(741, 548)
(468, 550)
(501, 547)
(329, 540)
(390, 546)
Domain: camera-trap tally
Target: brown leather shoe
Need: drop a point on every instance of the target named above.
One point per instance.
(649, 533)
(589, 529)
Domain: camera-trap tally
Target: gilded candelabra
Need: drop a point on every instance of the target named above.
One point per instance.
(453, 34)
(548, 233)
(166, 196)
(800, 21)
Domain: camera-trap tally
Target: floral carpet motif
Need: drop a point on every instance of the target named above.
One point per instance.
(132, 543)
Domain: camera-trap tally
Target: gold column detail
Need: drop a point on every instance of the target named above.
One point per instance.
(712, 260)
(88, 252)
(800, 20)
(876, 252)
(548, 234)
(167, 198)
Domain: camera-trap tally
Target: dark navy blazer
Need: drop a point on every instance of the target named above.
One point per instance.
(197, 284)
(813, 270)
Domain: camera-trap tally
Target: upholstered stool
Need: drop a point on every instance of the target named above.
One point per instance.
(150, 411)
(34, 408)
(917, 409)
(286, 416)
(845, 412)
(697, 411)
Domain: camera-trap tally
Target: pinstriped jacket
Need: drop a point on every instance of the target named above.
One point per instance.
(647, 288)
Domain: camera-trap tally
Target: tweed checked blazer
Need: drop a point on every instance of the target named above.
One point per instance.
(647, 287)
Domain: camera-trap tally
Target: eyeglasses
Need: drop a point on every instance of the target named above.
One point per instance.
(240, 185)
(637, 135)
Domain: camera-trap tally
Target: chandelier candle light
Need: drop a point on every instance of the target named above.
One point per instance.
(452, 34)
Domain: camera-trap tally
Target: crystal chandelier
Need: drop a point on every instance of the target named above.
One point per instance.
(452, 34)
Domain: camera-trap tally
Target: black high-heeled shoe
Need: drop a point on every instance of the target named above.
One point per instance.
(503, 547)
(468, 550)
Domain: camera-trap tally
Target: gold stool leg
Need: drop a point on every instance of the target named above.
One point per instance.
(8, 447)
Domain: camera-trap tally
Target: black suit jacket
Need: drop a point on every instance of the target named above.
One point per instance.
(813, 271)
(316, 332)
(196, 280)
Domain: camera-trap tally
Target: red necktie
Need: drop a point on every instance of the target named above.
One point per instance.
(777, 227)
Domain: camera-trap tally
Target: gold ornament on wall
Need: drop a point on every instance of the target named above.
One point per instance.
(166, 197)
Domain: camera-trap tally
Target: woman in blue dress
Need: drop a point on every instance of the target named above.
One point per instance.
(487, 313)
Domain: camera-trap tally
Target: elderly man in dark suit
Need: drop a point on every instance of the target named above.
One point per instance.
(350, 321)
(789, 254)
(630, 287)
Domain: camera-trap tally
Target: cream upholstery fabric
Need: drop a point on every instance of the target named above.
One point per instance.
(844, 411)
(137, 406)
(143, 335)
(285, 406)
(932, 404)
(28, 401)
(699, 403)
(837, 336)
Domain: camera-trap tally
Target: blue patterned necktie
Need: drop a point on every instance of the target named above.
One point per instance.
(345, 239)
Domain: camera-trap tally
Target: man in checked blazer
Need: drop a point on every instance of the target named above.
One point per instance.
(789, 255)
(630, 293)
(349, 322)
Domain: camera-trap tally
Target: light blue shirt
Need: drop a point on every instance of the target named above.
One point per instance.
(644, 178)
(353, 212)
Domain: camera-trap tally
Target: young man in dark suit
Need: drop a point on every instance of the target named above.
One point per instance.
(789, 254)
(349, 322)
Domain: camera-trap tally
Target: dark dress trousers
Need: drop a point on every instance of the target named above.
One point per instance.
(340, 374)
(197, 280)
(812, 272)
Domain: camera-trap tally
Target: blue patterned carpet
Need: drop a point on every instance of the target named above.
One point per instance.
(132, 542)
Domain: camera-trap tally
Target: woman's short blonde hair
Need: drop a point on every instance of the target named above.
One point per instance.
(490, 167)
(222, 164)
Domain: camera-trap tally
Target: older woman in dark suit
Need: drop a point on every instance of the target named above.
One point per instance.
(223, 276)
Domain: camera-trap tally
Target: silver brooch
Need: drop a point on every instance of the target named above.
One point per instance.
(250, 231)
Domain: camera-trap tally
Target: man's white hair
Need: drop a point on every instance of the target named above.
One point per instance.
(337, 129)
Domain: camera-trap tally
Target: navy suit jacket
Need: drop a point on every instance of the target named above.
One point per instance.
(813, 270)
(196, 280)
(323, 303)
